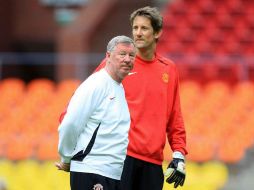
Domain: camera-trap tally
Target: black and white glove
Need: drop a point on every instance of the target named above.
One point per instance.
(175, 172)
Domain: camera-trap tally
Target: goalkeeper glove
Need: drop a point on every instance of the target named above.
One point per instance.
(175, 172)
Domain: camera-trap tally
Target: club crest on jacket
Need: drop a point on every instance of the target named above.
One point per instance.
(98, 187)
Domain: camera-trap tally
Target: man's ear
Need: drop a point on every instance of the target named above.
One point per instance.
(107, 54)
(158, 34)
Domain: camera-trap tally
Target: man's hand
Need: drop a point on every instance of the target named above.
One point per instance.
(63, 166)
(175, 172)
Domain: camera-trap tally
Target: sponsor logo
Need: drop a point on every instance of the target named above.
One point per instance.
(111, 98)
(132, 73)
(97, 187)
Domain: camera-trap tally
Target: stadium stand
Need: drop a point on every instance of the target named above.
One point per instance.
(210, 29)
(212, 112)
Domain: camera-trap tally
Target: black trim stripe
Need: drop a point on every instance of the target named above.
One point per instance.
(82, 154)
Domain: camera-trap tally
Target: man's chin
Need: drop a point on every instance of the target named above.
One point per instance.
(141, 46)
(139, 43)
(125, 73)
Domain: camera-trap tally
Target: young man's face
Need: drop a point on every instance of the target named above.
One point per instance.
(143, 34)
(122, 59)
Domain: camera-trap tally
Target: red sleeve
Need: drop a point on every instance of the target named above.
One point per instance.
(62, 115)
(102, 65)
(175, 128)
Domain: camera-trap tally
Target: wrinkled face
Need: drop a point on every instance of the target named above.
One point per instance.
(121, 60)
(143, 34)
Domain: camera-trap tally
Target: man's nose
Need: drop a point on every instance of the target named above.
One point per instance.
(138, 32)
(127, 58)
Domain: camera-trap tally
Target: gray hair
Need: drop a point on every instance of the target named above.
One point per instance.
(117, 40)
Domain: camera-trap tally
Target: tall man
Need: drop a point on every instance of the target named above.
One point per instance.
(152, 93)
(93, 135)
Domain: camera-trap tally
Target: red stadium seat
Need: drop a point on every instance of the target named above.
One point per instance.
(47, 149)
(19, 147)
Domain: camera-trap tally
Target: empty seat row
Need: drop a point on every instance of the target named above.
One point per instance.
(32, 174)
(188, 29)
(29, 125)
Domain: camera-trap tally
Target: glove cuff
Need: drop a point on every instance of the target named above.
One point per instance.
(178, 155)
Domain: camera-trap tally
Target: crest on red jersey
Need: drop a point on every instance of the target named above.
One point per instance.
(165, 77)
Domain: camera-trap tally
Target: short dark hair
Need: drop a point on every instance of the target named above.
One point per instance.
(152, 13)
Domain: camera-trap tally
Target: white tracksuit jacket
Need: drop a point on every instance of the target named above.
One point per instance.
(98, 103)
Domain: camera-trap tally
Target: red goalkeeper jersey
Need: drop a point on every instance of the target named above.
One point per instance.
(152, 93)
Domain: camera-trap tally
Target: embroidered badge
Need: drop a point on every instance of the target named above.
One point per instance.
(97, 187)
(165, 77)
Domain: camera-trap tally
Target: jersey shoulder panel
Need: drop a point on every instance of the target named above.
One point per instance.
(165, 60)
